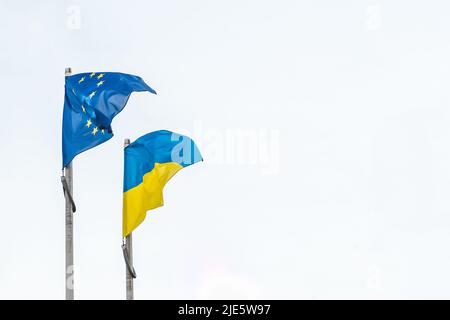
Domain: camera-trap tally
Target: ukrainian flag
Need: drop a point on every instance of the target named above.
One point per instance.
(150, 162)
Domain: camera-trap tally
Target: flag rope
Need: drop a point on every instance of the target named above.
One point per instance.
(67, 193)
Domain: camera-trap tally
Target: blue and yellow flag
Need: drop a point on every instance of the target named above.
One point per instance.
(91, 101)
(150, 162)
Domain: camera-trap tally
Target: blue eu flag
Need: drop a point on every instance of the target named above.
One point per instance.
(91, 101)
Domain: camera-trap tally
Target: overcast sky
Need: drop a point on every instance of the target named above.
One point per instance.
(324, 126)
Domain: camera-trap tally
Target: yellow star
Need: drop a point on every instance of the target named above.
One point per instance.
(81, 80)
(92, 94)
(100, 83)
(88, 123)
(83, 108)
(94, 131)
(100, 75)
(92, 74)
(103, 131)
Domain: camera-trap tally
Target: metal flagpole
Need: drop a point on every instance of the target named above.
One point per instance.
(129, 276)
(127, 247)
(67, 181)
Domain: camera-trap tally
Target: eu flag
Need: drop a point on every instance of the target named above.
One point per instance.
(91, 101)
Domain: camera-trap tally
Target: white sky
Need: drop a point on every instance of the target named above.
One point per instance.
(345, 190)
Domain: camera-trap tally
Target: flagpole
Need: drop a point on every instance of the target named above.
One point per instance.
(129, 251)
(68, 174)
